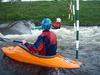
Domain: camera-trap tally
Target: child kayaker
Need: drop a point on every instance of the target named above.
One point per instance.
(46, 43)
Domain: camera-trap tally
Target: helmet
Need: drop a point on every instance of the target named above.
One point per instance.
(46, 23)
(58, 19)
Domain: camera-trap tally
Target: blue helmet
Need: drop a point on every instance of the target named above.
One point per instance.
(46, 23)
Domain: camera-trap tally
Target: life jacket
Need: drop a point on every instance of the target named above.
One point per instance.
(46, 44)
(56, 25)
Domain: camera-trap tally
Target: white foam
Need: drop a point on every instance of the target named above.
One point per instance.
(66, 36)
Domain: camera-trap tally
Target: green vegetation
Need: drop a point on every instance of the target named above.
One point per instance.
(89, 11)
(32, 10)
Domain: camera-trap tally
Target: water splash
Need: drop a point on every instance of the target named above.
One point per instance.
(66, 36)
(89, 53)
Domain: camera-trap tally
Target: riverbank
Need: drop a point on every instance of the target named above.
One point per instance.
(36, 11)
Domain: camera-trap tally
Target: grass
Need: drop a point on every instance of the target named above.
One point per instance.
(34, 10)
(89, 11)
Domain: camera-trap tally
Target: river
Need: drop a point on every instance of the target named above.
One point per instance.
(89, 51)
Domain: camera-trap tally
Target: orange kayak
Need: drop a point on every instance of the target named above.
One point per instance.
(57, 61)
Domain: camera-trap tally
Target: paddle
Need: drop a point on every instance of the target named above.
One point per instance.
(9, 40)
(5, 39)
(16, 42)
(2, 38)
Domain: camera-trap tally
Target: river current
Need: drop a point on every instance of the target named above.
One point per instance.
(89, 51)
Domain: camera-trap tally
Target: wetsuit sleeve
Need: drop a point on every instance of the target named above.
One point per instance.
(38, 42)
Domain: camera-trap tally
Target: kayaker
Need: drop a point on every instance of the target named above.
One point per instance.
(57, 24)
(46, 43)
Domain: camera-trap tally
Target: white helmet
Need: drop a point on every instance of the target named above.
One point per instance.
(58, 20)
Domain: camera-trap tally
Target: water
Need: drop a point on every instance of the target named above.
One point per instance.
(89, 52)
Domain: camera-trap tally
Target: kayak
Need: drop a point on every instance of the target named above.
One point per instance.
(57, 61)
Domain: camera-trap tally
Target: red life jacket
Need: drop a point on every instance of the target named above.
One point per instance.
(56, 24)
(46, 44)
